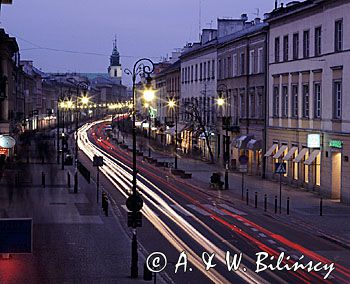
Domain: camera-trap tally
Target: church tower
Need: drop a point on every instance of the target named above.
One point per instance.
(115, 68)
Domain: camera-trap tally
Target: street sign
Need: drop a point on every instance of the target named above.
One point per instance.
(16, 236)
(134, 202)
(134, 219)
(97, 161)
(243, 160)
(280, 168)
(243, 168)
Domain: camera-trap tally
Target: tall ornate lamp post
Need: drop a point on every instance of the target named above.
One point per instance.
(145, 67)
(222, 88)
(84, 100)
(173, 106)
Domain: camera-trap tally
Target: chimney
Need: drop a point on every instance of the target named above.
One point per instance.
(257, 21)
(276, 4)
(244, 17)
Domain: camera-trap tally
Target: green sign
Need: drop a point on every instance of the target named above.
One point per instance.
(336, 144)
(152, 112)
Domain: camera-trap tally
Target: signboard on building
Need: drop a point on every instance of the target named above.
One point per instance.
(313, 140)
(336, 144)
(16, 236)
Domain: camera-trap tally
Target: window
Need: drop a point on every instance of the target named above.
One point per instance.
(296, 46)
(306, 44)
(235, 65)
(317, 100)
(277, 49)
(338, 35)
(260, 105)
(337, 100)
(191, 73)
(285, 101)
(182, 75)
(276, 101)
(213, 69)
(260, 61)
(200, 71)
(318, 41)
(306, 101)
(251, 61)
(225, 69)
(242, 63)
(242, 97)
(209, 70)
(229, 67)
(219, 69)
(196, 72)
(185, 75)
(252, 105)
(205, 70)
(285, 48)
(295, 100)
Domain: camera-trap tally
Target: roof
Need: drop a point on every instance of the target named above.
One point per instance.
(11, 41)
(242, 33)
(198, 47)
(292, 8)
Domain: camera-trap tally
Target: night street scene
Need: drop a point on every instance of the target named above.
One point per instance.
(174, 142)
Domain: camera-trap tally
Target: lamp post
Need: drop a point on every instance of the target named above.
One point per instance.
(172, 105)
(84, 100)
(224, 101)
(146, 67)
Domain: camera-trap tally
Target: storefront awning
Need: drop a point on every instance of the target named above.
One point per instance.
(241, 141)
(254, 145)
(271, 150)
(301, 155)
(290, 153)
(312, 157)
(280, 151)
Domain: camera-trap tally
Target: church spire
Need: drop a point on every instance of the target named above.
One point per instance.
(115, 57)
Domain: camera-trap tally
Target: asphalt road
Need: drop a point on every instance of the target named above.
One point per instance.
(182, 217)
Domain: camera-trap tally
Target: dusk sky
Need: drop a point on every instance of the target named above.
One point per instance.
(150, 28)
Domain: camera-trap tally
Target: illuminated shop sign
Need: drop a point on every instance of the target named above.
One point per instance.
(313, 140)
(336, 144)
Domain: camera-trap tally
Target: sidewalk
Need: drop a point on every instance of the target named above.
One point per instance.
(73, 241)
(304, 205)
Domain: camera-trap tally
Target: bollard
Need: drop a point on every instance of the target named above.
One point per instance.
(276, 204)
(68, 179)
(43, 179)
(76, 182)
(247, 196)
(265, 202)
(287, 205)
(321, 206)
(256, 199)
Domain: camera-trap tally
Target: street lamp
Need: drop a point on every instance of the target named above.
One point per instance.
(148, 96)
(172, 106)
(84, 100)
(221, 102)
(146, 67)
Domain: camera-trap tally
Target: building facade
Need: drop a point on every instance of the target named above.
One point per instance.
(309, 111)
(241, 83)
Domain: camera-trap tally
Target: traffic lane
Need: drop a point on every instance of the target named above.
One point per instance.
(149, 237)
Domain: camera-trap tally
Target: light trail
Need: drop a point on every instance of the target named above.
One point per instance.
(115, 173)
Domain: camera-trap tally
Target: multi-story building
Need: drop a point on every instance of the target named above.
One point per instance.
(309, 111)
(9, 65)
(241, 83)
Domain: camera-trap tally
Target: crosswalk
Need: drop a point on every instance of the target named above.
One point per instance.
(189, 210)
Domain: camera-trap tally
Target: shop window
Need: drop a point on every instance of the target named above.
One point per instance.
(318, 170)
(295, 167)
(306, 169)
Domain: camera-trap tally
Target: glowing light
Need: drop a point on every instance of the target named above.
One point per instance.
(149, 95)
(171, 104)
(85, 100)
(220, 101)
